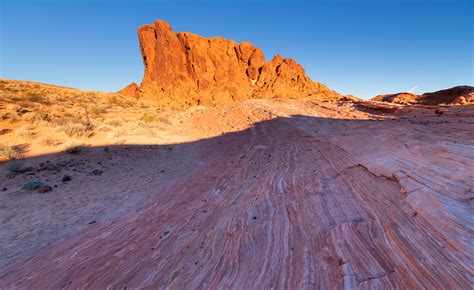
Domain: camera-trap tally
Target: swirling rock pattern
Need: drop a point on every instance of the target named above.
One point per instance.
(303, 201)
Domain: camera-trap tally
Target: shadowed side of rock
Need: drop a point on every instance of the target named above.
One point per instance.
(185, 69)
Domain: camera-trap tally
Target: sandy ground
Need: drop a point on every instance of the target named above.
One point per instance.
(256, 194)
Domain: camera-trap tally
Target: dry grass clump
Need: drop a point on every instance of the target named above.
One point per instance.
(120, 102)
(37, 98)
(25, 132)
(98, 112)
(116, 122)
(77, 129)
(9, 152)
(51, 142)
(148, 118)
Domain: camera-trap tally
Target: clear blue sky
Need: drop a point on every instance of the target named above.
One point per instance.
(355, 47)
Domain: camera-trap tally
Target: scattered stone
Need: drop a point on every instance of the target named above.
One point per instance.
(357, 219)
(92, 222)
(66, 178)
(4, 189)
(10, 175)
(97, 172)
(44, 188)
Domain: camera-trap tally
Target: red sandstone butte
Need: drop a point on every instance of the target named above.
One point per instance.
(132, 90)
(184, 69)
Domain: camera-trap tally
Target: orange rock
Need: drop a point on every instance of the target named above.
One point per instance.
(185, 69)
(132, 90)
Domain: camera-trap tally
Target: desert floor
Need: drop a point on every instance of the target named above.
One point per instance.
(255, 194)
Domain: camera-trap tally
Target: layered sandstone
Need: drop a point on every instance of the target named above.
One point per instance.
(185, 69)
(456, 95)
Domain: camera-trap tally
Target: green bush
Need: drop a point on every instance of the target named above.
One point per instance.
(15, 166)
(32, 184)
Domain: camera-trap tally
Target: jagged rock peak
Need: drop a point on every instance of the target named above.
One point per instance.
(185, 69)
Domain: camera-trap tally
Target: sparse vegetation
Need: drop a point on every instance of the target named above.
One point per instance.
(32, 184)
(37, 98)
(24, 132)
(77, 130)
(148, 118)
(15, 166)
(9, 152)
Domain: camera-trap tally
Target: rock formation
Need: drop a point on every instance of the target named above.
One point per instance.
(457, 95)
(185, 69)
(132, 90)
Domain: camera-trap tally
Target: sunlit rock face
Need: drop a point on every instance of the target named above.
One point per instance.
(185, 69)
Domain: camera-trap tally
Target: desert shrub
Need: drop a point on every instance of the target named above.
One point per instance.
(116, 134)
(114, 122)
(76, 149)
(24, 132)
(32, 184)
(37, 117)
(48, 141)
(15, 166)
(10, 116)
(77, 129)
(37, 98)
(148, 118)
(97, 111)
(103, 128)
(115, 100)
(9, 153)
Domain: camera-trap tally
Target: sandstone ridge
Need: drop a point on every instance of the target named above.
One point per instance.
(184, 69)
(459, 95)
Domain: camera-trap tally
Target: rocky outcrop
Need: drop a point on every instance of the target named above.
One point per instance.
(400, 98)
(185, 69)
(132, 90)
(457, 95)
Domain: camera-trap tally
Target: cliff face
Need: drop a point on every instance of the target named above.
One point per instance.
(185, 69)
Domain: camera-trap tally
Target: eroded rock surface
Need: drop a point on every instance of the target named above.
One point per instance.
(457, 95)
(185, 69)
(285, 194)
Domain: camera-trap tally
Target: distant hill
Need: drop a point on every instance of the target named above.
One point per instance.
(456, 95)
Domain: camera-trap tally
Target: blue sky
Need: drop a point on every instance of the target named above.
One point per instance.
(355, 47)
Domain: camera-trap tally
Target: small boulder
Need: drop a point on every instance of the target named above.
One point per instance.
(44, 188)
